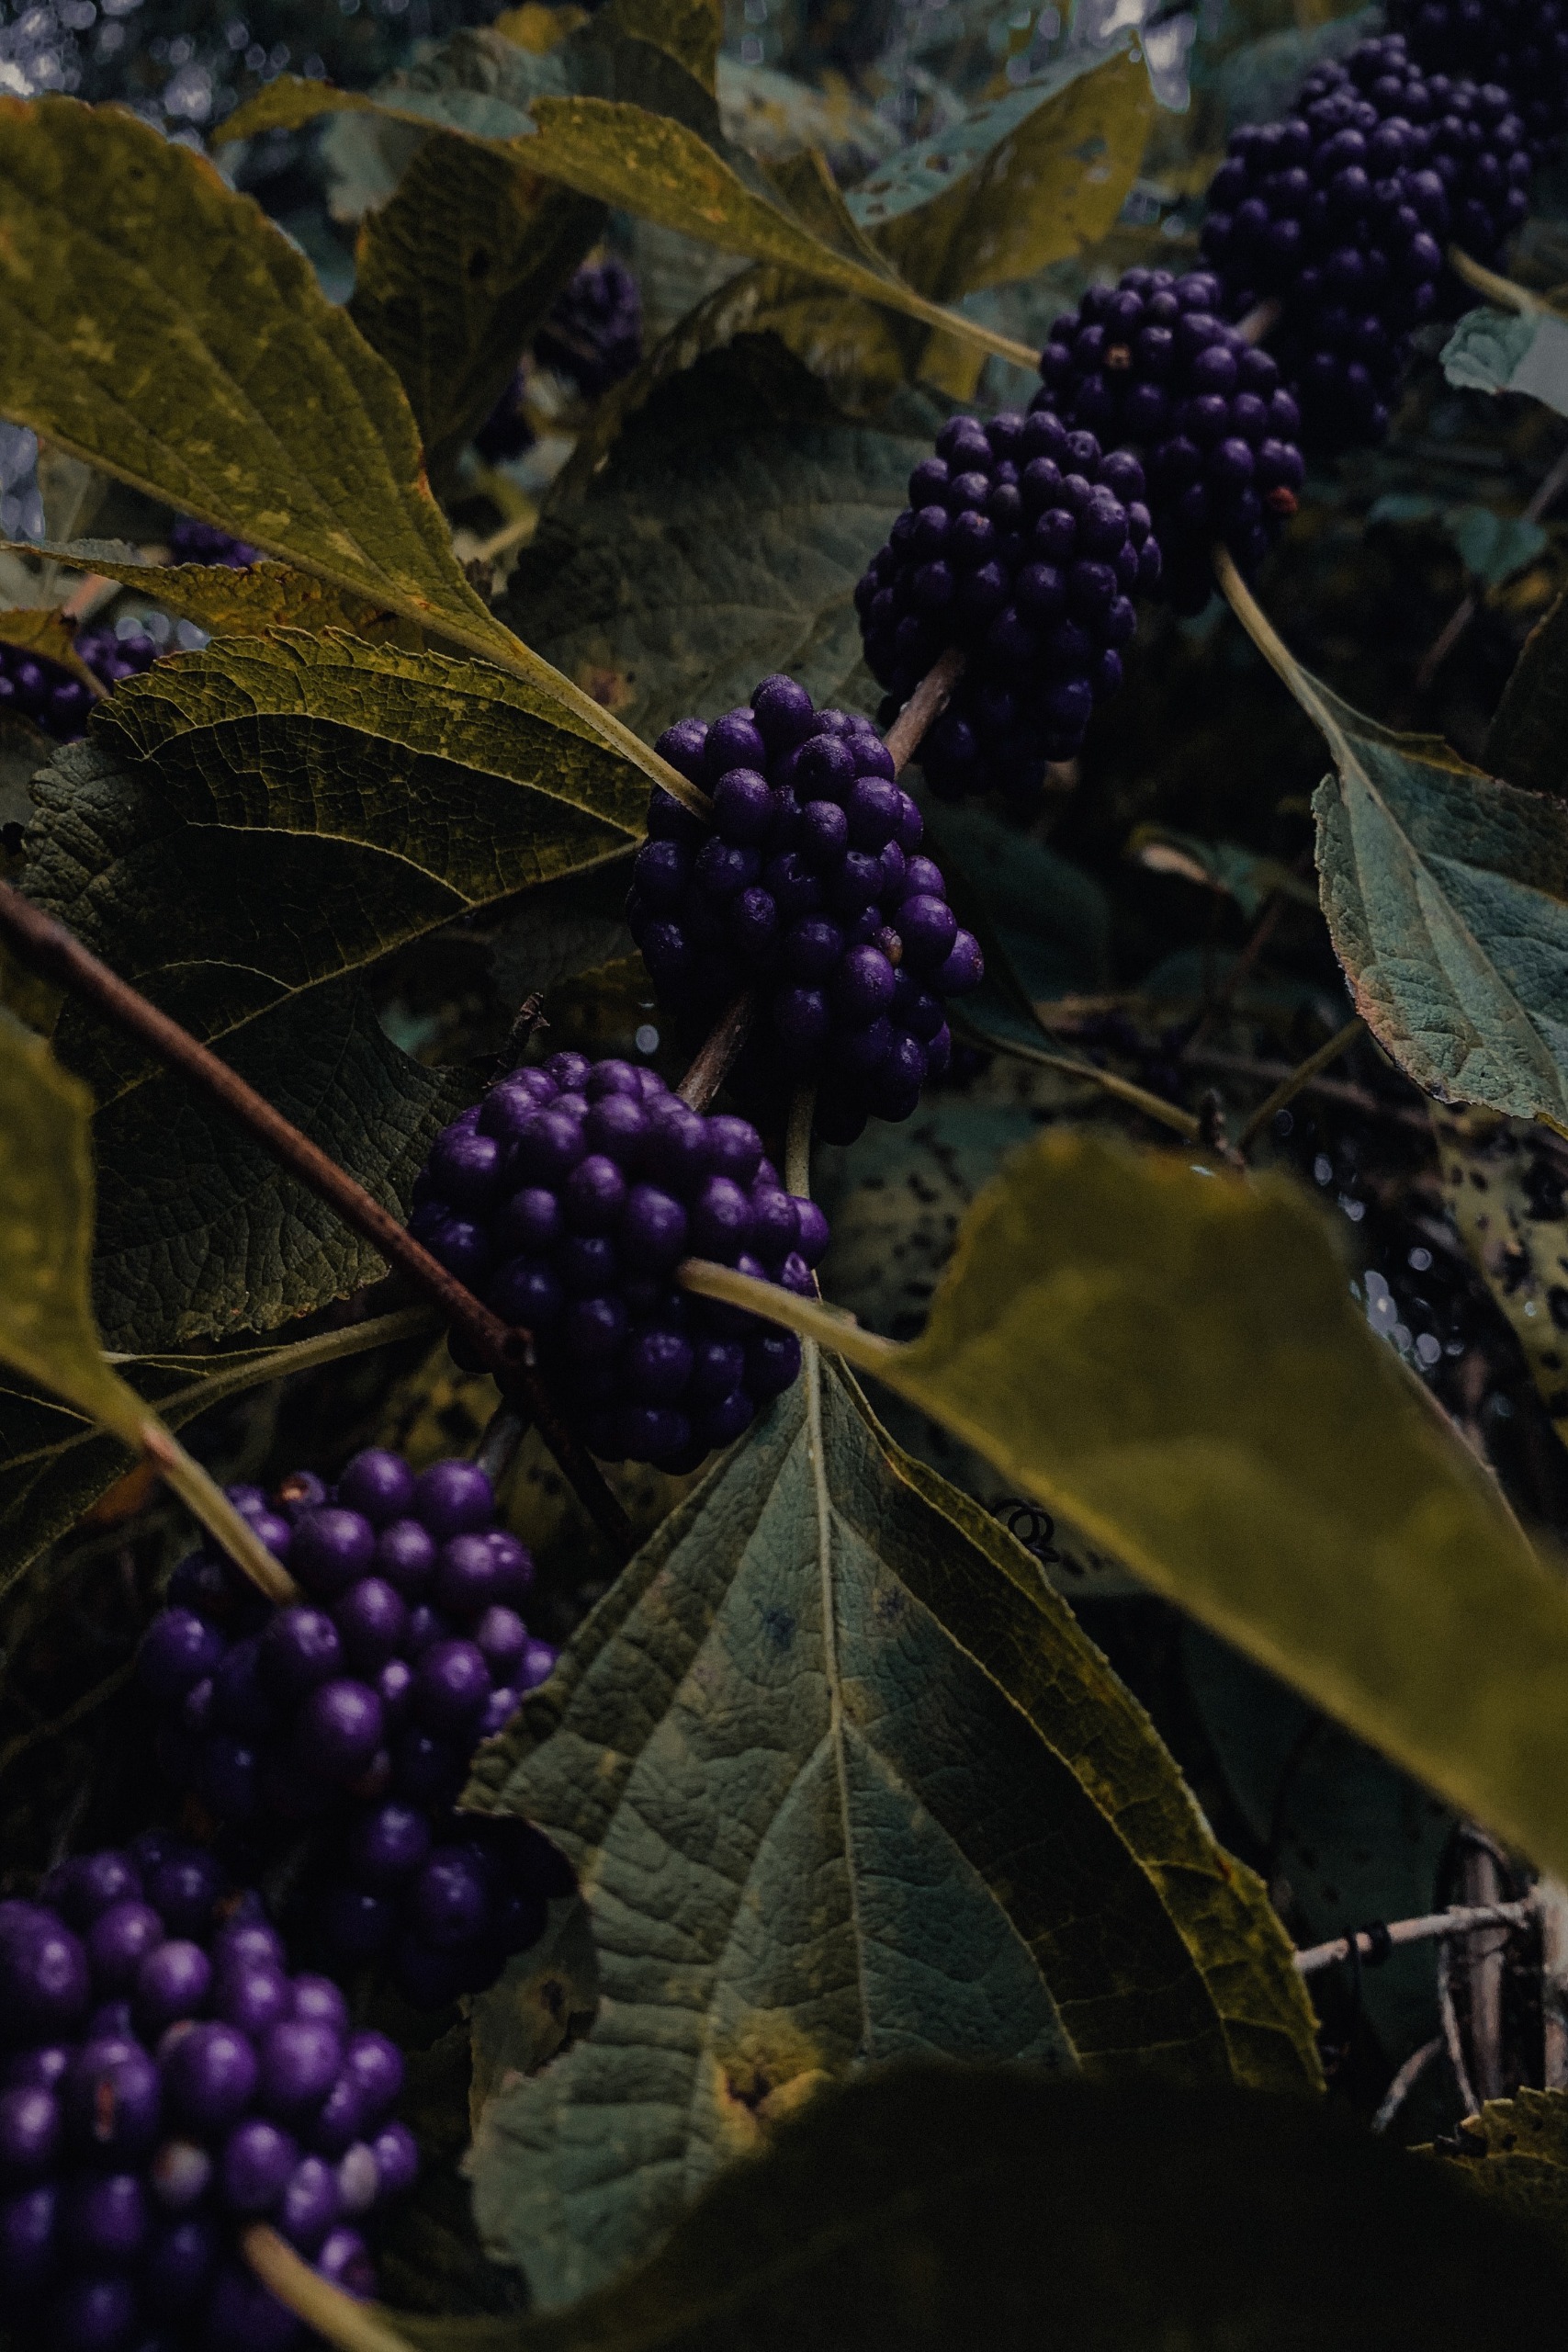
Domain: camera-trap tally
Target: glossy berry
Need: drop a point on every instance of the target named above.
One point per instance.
(1151, 362)
(1021, 544)
(1520, 44)
(131, 2159)
(1343, 211)
(54, 698)
(194, 542)
(354, 1711)
(617, 1336)
(835, 871)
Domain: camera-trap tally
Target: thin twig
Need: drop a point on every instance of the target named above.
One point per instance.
(925, 706)
(1462, 1919)
(718, 1056)
(1503, 291)
(351, 2327)
(1302, 1075)
(834, 1327)
(50, 948)
(1451, 2040)
(1464, 612)
(1154, 1106)
(797, 1142)
(1404, 2082)
(1258, 938)
(1481, 1882)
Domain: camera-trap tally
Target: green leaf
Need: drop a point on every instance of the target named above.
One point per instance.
(55, 1464)
(1023, 180)
(1447, 899)
(455, 275)
(46, 1232)
(1505, 1195)
(635, 129)
(199, 1235)
(1529, 729)
(1173, 1361)
(929, 2207)
(156, 324)
(842, 1782)
(1493, 547)
(48, 633)
(263, 817)
(649, 595)
(1490, 351)
(229, 600)
(1515, 2152)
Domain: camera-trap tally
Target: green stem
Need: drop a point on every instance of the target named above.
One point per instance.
(832, 1327)
(797, 1142)
(1154, 1106)
(354, 2327)
(206, 1501)
(1501, 290)
(1302, 1075)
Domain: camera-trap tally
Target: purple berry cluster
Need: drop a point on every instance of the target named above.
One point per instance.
(51, 698)
(1151, 362)
(165, 2081)
(194, 542)
(1521, 44)
(1342, 211)
(358, 1708)
(809, 888)
(592, 335)
(593, 331)
(567, 1199)
(1022, 544)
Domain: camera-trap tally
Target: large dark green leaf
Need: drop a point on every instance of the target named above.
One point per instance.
(259, 819)
(948, 2207)
(1446, 898)
(1173, 1361)
(722, 541)
(456, 273)
(841, 1781)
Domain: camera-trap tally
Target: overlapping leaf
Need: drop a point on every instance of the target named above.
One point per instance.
(1504, 1185)
(267, 815)
(1529, 731)
(927, 2207)
(1446, 898)
(156, 324)
(648, 596)
(455, 275)
(842, 1783)
(1174, 1362)
(1515, 2152)
(44, 632)
(229, 600)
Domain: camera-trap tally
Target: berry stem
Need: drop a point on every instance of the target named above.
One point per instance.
(797, 1142)
(1501, 290)
(353, 2326)
(925, 706)
(717, 1057)
(1260, 321)
(833, 1327)
(52, 950)
(1302, 1075)
(206, 1501)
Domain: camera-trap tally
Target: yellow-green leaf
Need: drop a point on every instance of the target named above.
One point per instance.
(157, 325)
(1172, 1360)
(49, 633)
(229, 600)
(46, 1235)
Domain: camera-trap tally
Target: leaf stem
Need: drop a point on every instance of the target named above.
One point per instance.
(206, 1501)
(833, 1327)
(351, 2327)
(1302, 1075)
(1260, 321)
(1463, 1919)
(50, 948)
(1154, 1106)
(1501, 290)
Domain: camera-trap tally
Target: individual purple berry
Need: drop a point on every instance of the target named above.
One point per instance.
(451, 1686)
(177, 1650)
(379, 1485)
(185, 1889)
(172, 1982)
(372, 1618)
(309, 2204)
(343, 2261)
(376, 2067)
(30, 2133)
(448, 1900)
(339, 1729)
(211, 2075)
(92, 2315)
(29, 2242)
(386, 1844)
(105, 2220)
(118, 1940)
(256, 2165)
(454, 1498)
(177, 2266)
(251, 1995)
(396, 2152)
(332, 1548)
(44, 1977)
(298, 2063)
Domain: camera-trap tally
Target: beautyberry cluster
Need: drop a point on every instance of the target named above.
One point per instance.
(809, 888)
(194, 542)
(1021, 543)
(1150, 361)
(48, 695)
(1522, 44)
(567, 1197)
(591, 335)
(1343, 211)
(164, 2080)
(357, 1709)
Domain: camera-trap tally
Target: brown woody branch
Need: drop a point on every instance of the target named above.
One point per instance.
(506, 1353)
